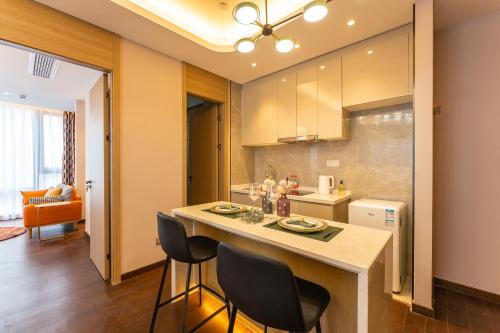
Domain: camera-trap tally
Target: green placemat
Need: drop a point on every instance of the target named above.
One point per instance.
(324, 235)
(231, 216)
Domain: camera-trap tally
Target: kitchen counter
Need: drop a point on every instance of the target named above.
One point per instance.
(355, 266)
(326, 199)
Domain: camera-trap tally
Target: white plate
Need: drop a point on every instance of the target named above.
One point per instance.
(302, 224)
(226, 209)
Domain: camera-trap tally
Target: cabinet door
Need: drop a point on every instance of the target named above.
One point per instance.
(376, 70)
(250, 117)
(287, 105)
(318, 211)
(268, 111)
(260, 113)
(331, 122)
(307, 100)
(242, 199)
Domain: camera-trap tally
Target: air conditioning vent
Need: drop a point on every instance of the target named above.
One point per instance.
(43, 66)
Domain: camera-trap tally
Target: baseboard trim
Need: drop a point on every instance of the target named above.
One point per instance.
(142, 270)
(466, 290)
(81, 221)
(422, 310)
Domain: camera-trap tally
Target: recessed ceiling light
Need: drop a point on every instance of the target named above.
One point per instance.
(6, 93)
(315, 11)
(283, 80)
(322, 67)
(297, 46)
(369, 52)
(254, 64)
(351, 23)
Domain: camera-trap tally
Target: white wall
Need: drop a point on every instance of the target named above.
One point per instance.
(150, 149)
(467, 144)
(423, 99)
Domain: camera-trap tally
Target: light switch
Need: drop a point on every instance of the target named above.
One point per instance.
(332, 163)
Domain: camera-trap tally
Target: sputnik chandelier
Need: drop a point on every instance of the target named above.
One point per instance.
(248, 13)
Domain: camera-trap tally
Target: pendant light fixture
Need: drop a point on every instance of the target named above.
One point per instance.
(248, 13)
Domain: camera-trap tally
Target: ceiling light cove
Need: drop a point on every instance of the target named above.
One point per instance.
(213, 24)
(248, 13)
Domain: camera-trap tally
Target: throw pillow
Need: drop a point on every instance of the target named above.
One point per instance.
(53, 192)
(66, 192)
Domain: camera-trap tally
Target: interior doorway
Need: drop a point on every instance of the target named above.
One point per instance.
(204, 147)
(42, 95)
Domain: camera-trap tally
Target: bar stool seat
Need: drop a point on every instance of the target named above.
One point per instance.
(202, 248)
(190, 250)
(313, 300)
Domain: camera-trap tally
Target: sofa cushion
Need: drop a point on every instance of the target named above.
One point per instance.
(42, 200)
(53, 192)
(66, 193)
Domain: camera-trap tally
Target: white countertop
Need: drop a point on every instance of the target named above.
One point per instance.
(326, 199)
(354, 249)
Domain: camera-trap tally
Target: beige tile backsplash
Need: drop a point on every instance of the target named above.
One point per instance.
(377, 162)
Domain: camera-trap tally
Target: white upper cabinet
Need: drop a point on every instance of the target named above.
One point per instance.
(376, 70)
(287, 104)
(260, 113)
(307, 100)
(333, 121)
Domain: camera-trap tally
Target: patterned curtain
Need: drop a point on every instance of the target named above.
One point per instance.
(68, 166)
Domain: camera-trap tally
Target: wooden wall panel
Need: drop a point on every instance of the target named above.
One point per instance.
(207, 85)
(30, 24)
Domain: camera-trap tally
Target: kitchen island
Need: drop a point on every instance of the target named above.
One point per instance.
(355, 266)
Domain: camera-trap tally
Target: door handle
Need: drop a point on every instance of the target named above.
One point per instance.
(88, 185)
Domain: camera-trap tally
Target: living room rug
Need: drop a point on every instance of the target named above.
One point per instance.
(10, 232)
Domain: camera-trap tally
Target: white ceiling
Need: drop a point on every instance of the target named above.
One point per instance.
(372, 17)
(71, 82)
(209, 22)
(448, 13)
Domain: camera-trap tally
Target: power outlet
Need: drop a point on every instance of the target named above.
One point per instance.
(332, 163)
(157, 241)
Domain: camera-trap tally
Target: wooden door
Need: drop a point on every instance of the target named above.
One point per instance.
(97, 167)
(203, 154)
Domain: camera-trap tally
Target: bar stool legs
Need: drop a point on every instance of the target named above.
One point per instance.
(199, 281)
(232, 320)
(158, 297)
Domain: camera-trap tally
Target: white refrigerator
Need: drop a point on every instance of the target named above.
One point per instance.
(390, 216)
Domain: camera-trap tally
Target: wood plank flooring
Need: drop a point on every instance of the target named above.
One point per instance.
(54, 287)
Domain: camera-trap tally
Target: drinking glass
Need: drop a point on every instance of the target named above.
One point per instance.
(273, 195)
(254, 193)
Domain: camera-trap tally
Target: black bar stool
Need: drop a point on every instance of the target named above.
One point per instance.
(189, 250)
(266, 291)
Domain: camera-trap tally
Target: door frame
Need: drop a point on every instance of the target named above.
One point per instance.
(211, 88)
(36, 27)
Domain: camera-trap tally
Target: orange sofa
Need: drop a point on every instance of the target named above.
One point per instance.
(50, 215)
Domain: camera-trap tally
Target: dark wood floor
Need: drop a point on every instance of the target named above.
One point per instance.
(54, 287)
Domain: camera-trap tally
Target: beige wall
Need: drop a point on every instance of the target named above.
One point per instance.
(467, 152)
(423, 96)
(151, 149)
(80, 150)
(242, 158)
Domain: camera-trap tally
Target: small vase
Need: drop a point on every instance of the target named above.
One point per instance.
(283, 206)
